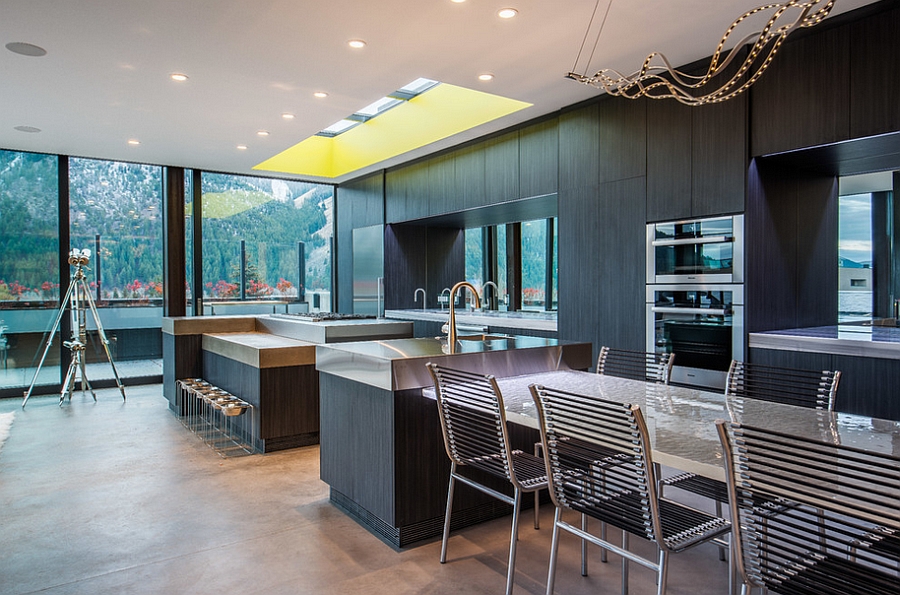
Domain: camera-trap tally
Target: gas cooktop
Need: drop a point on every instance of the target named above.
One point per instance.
(322, 316)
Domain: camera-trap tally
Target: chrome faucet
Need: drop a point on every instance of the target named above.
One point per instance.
(488, 303)
(451, 325)
(447, 289)
(416, 296)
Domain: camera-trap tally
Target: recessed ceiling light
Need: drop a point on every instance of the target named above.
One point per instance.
(458, 1)
(133, 141)
(320, 94)
(242, 147)
(287, 116)
(262, 133)
(27, 129)
(487, 76)
(26, 49)
(356, 43)
(507, 13)
(177, 76)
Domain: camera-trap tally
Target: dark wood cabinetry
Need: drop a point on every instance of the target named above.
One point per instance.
(538, 159)
(874, 84)
(669, 132)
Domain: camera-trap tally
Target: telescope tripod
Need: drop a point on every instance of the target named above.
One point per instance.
(77, 299)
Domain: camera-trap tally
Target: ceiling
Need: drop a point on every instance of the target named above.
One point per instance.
(105, 77)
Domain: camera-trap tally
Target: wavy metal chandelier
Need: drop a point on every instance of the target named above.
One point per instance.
(657, 79)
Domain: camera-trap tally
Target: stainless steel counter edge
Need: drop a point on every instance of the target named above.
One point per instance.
(473, 318)
(830, 345)
(404, 373)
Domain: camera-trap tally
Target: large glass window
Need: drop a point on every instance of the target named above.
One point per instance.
(855, 257)
(266, 244)
(29, 267)
(115, 211)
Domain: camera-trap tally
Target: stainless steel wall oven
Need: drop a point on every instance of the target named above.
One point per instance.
(703, 325)
(696, 251)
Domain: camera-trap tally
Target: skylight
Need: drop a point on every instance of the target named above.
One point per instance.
(405, 93)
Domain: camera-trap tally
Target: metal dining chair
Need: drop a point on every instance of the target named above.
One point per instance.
(473, 422)
(811, 516)
(599, 464)
(636, 365)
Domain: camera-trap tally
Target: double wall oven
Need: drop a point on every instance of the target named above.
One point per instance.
(695, 296)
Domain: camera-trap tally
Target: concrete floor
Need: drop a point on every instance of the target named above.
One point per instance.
(114, 497)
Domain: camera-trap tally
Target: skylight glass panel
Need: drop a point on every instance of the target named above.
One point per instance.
(338, 127)
(420, 85)
(373, 109)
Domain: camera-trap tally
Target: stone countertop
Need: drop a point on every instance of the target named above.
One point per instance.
(539, 321)
(400, 364)
(325, 331)
(845, 339)
(261, 350)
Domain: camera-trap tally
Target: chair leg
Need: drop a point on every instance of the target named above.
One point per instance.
(554, 549)
(537, 493)
(513, 539)
(722, 556)
(624, 563)
(663, 573)
(603, 537)
(584, 545)
(447, 514)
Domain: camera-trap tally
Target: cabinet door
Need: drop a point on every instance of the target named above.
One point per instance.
(719, 157)
(874, 84)
(539, 159)
(669, 132)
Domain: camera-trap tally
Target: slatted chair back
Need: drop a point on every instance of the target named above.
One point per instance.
(473, 420)
(636, 365)
(803, 388)
(815, 516)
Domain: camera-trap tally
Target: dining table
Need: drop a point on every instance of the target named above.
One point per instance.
(681, 420)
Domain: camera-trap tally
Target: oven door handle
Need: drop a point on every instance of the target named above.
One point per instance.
(676, 310)
(686, 241)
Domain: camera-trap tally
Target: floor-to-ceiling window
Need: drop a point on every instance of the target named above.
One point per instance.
(266, 244)
(115, 211)
(29, 267)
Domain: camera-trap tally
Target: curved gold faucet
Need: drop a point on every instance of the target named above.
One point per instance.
(451, 325)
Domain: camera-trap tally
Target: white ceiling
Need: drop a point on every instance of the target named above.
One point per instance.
(105, 78)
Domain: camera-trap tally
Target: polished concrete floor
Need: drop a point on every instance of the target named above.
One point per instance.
(118, 497)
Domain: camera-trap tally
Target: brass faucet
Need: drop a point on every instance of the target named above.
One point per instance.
(451, 325)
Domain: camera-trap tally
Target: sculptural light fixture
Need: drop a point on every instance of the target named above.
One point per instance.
(661, 81)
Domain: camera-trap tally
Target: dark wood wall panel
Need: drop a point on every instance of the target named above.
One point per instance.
(501, 165)
(874, 84)
(470, 177)
(791, 250)
(406, 192)
(719, 157)
(669, 131)
(441, 191)
(623, 139)
(803, 99)
(446, 259)
(538, 159)
(181, 359)
(405, 267)
(579, 147)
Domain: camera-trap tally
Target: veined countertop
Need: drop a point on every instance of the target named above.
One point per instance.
(539, 321)
(261, 350)
(843, 339)
(399, 364)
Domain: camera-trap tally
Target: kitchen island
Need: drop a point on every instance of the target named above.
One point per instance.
(267, 361)
(381, 449)
(866, 353)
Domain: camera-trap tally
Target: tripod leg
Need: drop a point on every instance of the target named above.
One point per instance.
(84, 378)
(69, 383)
(53, 329)
(103, 338)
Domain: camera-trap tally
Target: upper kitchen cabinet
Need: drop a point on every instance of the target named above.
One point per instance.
(803, 99)
(579, 147)
(623, 139)
(406, 193)
(501, 165)
(874, 84)
(696, 159)
(538, 159)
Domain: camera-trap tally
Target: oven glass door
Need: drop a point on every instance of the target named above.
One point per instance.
(700, 251)
(696, 325)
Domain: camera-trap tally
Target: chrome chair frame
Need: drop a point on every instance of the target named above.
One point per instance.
(473, 423)
(599, 464)
(808, 513)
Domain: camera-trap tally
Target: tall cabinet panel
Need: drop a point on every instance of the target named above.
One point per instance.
(623, 138)
(669, 131)
(874, 84)
(719, 157)
(579, 147)
(803, 99)
(538, 159)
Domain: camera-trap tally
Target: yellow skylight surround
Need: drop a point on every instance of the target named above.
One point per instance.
(438, 113)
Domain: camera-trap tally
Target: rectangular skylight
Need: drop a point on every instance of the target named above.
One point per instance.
(405, 93)
(373, 109)
(338, 127)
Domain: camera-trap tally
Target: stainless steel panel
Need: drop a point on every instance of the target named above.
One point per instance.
(368, 268)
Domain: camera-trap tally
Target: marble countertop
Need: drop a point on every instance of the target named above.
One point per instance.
(542, 321)
(399, 364)
(681, 421)
(844, 339)
(261, 350)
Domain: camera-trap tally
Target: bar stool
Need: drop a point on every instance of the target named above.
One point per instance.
(473, 422)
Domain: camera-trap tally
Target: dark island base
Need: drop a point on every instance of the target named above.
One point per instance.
(382, 454)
